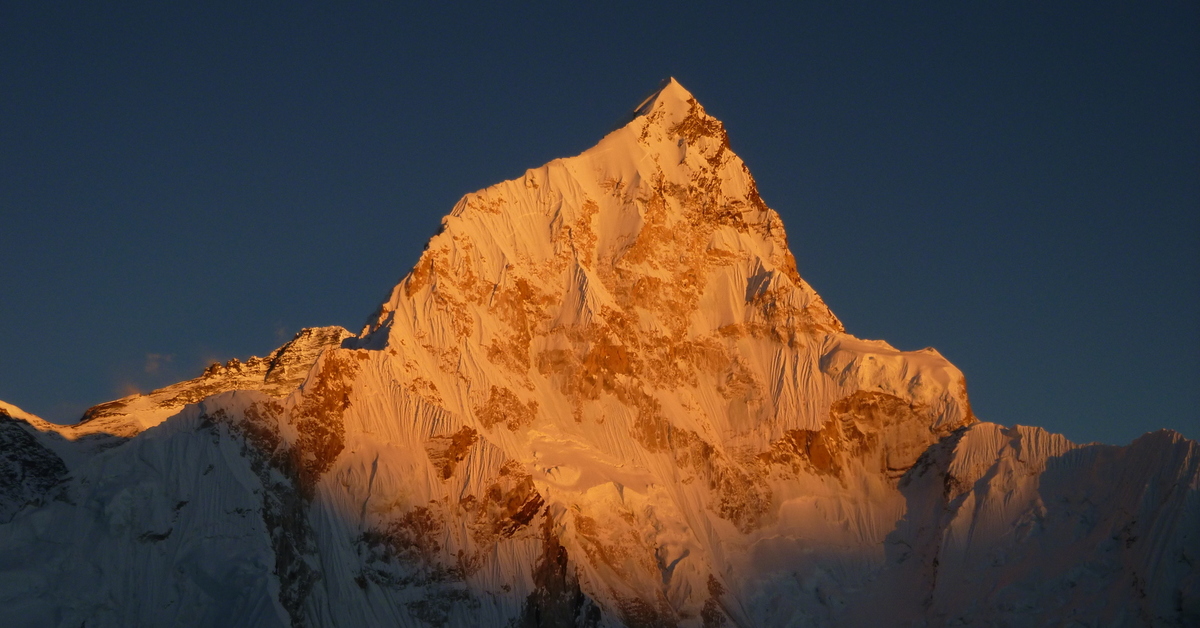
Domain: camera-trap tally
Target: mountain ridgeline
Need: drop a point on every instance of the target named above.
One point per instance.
(604, 396)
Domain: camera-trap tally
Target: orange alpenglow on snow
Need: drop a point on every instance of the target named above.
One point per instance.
(604, 396)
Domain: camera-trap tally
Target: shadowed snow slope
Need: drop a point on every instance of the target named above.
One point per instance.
(604, 396)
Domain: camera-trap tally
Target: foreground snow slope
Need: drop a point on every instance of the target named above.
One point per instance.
(604, 396)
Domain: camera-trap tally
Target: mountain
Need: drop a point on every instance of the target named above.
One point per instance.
(604, 396)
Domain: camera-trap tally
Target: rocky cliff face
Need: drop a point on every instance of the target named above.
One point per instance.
(604, 396)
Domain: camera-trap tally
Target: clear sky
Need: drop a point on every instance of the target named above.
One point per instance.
(1015, 184)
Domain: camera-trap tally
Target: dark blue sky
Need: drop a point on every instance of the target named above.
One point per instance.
(1016, 184)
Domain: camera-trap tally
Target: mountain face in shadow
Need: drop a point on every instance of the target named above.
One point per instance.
(604, 396)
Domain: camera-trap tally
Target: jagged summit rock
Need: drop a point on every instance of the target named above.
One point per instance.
(604, 396)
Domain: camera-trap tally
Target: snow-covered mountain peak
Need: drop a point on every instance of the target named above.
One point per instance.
(277, 375)
(662, 197)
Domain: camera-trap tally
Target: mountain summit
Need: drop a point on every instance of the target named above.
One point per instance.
(604, 396)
